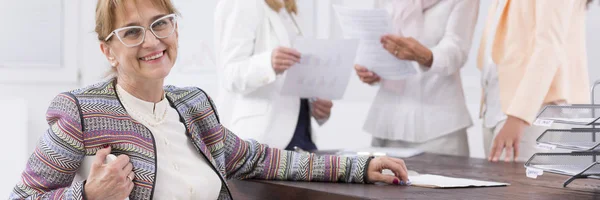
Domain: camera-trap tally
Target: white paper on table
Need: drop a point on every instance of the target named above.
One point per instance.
(436, 181)
(383, 151)
(369, 25)
(324, 69)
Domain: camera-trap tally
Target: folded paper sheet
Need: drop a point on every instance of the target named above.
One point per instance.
(437, 181)
(369, 25)
(444, 182)
(324, 69)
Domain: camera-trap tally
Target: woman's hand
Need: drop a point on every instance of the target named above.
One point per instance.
(321, 108)
(396, 165)
(109, 181)
(407, 48)
(508, 140)
(366, 76)
(283, 58)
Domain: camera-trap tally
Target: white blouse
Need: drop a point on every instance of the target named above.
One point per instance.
(182, 172)
(290, 23)
(492, 109)
(430, 104)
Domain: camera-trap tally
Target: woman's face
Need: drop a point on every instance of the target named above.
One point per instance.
(151, 60)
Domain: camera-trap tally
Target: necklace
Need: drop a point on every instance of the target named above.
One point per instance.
(154, 121)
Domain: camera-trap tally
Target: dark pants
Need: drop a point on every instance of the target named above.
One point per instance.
(302, 133)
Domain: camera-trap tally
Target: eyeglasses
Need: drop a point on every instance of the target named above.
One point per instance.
(132, 36)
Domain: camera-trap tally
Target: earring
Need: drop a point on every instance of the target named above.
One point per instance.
(112, 61)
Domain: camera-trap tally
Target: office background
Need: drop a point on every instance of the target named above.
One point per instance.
(48, 47)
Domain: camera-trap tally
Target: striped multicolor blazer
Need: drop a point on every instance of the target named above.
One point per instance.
(83, 120)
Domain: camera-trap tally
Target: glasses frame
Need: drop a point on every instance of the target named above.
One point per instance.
(114, 33)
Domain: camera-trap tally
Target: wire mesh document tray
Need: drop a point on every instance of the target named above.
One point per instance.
(577, 139)
(577, 114)
(575, 164)
(582, 138)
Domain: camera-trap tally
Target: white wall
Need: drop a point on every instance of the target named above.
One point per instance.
(13, 153)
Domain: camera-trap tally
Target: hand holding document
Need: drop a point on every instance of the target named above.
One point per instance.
(369, 25)
(323, 71)
(86, 166)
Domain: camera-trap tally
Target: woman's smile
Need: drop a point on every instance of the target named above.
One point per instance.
(153, 57)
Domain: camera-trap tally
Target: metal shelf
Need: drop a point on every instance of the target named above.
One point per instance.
(577, 139)
(582, 161)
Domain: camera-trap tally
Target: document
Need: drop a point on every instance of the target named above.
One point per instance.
(381, 151)
(437, 181)
(369, 25)
(324, 69)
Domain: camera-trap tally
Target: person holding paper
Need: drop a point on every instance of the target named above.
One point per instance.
(426, 111)
(253, 45)
(168, 140)
(532, 54)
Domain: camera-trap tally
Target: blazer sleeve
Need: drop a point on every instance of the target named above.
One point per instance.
(552, 19)
(248, 159)
(242, 69)
(50, 170)
(452, 52)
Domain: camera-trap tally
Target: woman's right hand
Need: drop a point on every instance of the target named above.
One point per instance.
(109, 181)
(283, 58)
(365, 75)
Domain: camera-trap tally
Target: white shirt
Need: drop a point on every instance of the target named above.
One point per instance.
(182, 172)
(289, 23)
(492, 109)
(430, 104)
(246, 32)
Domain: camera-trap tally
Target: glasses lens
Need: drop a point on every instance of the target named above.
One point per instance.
(131, 35)
(163, 27)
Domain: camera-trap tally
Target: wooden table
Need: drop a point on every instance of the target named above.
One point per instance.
(547, 186)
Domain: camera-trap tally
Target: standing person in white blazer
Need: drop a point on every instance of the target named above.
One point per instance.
(426, 111)
(253, 46)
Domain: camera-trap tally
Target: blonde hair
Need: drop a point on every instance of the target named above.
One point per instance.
(290, 5)
(106, 11)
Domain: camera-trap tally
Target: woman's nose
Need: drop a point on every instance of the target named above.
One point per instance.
(150, 40)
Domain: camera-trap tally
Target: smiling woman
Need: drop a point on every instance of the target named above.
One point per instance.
(169, 141)
(106, 11)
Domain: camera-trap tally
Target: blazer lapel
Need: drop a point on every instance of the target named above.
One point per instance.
(278, 27)
(499, 25)
(191, 128)
(492, 16)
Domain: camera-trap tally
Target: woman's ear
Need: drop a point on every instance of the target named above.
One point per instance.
(106, 50)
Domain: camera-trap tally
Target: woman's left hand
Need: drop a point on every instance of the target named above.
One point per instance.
(321, 108)
(396, 165)
(407, 48)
